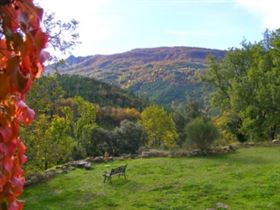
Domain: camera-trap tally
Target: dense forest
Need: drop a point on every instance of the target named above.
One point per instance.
(99, 92)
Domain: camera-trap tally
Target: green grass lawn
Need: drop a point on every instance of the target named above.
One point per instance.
(247, 179)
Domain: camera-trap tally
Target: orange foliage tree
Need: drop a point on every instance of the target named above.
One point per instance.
(21, 60)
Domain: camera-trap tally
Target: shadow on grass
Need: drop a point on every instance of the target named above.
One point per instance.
(124, 184)
(118, 181)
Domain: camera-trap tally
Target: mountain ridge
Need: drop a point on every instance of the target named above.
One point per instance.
(157, 73)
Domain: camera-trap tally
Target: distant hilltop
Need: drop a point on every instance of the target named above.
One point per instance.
(142, 56)
(163, 74)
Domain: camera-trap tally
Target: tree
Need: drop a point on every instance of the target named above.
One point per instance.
(45, 95)
(247, 83)
(230, 125)
(185, 113)
(35, 141)
(84, 126)
(49, 142)
(159, 126)
(21, 60)
(201, 133)
(44, 150)
(180, 121)
(102, 141)
(129, 137)
(62, 35)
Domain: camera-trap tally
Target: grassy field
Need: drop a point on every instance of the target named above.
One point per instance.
(247, 179)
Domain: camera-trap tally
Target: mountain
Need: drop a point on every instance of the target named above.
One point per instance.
(163, 74)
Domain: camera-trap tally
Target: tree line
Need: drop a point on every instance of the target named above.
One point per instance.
(70, 128)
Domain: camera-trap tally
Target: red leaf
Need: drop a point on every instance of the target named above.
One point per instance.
(6, 133)
(24, 113)
(16, 205)
(17, 185)
(8, 164)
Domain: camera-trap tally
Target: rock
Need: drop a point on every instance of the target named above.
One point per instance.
(34, 179)
(126, 156)
(68, 168)
(226, 149)
(90, 159)
(59, 171)
(233, 147)
(145, 154)
(98, 159)
(59, 167)
(221, 205)
(87, 166)
(83, 164)
(180, 153)
(154, 153)
(71, 163)
(27, 183)
(276, 141)
(50, 174)
(249, 144)
(195, 152)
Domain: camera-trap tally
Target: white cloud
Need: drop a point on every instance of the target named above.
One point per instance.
(267, 10)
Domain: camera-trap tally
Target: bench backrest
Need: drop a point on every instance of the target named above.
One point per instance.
(118, 170)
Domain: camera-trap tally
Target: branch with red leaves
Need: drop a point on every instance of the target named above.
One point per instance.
(21, 60)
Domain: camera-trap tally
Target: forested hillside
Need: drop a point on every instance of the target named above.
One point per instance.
(164, 74)
(99, 92)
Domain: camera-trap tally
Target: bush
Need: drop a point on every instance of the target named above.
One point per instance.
(201, 133)
(125, 139)
(129, 137)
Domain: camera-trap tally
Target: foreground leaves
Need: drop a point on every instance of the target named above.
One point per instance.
(21, 60)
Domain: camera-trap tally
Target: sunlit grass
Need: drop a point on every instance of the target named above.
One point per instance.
(247, 179)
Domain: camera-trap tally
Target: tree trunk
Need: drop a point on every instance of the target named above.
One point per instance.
(273, 132)
(46, 165)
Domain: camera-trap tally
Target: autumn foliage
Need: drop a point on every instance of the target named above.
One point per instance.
(21, 60)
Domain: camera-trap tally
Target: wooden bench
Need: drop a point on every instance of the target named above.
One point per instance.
(115, 171)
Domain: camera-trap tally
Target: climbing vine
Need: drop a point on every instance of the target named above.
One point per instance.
(21, 60)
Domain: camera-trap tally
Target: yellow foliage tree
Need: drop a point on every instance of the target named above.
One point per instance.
(159, 126)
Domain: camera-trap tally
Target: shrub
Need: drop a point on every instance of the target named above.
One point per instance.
(201, 133)
(129, 137)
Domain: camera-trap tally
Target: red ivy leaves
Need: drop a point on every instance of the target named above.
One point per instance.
(21, 60)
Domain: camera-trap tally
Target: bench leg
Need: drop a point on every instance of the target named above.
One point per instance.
(110, 179)
(124, 175)
(104, 179)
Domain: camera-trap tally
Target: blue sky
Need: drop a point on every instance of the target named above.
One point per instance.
(113, 26)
